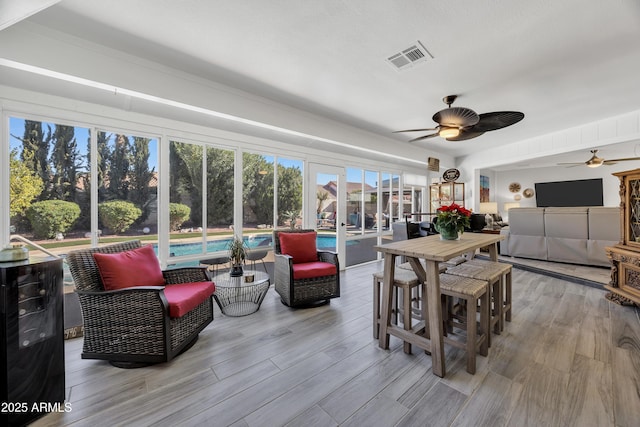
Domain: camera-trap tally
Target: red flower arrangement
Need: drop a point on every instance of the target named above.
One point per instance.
(453, 216)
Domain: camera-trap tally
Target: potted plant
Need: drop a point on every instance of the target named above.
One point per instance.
(452, 220)
(237, 254)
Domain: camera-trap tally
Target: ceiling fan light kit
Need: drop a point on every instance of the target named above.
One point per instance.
(447, 132)
(460, 123)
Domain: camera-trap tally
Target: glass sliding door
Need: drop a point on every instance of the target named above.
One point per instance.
(326, 207)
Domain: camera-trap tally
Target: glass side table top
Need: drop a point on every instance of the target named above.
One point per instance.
(242, 295)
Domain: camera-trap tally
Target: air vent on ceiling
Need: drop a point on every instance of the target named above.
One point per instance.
(410, 56)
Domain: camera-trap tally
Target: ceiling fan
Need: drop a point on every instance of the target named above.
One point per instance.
(596, 161)
(460, 123)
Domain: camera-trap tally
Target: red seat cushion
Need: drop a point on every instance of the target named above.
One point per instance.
(137, 267)
(184, 297)
(301, 246)
(309, 270)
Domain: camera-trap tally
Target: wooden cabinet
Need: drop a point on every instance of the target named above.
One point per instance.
(445, 194)
(625, 256)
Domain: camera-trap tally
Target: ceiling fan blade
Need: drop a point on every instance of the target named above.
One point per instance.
(612, 161)
(456, 117)
(572, 165)
(497, 120)
(423, 137)
(464, 135)
(414, 130)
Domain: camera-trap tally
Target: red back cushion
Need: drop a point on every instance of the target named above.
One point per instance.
(137, 267)
(301, 246)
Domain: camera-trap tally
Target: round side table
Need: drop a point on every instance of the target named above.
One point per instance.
(242, 295)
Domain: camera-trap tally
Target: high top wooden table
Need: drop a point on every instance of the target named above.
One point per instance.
(433, 251)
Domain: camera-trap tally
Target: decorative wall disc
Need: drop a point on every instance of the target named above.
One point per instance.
(514, 187)
(528, 193)
(450, 175)
(517, 197)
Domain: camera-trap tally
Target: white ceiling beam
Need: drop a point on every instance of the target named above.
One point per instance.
(13, 11)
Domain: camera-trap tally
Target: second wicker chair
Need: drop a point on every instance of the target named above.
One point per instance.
(304, 276)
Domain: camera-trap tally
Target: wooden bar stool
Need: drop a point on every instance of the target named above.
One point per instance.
(405, 280)
(494, 273)
(415, 298)
(506, 270)
(477, 337)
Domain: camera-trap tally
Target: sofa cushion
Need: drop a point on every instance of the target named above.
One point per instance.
(309, 270)
(184, 297)
(300, 246)
(566, 222)
(137, 267)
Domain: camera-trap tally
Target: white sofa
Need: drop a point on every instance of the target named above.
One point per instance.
(575, 235)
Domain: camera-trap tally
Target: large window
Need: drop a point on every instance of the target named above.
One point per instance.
(289, 206)
(257, 194)
(76, 186)
(127, 185)
(51, 183)
(201, 205)
(48, 181)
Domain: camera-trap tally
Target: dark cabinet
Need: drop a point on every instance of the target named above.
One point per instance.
(32, 329)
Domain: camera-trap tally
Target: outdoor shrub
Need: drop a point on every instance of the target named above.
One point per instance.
(178, 213)
(50, 217)
(118, 215)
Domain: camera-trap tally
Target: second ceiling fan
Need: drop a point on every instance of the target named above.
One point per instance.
(596, 161)
(460, 123)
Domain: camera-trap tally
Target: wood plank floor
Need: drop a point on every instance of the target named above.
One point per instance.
(569, 357)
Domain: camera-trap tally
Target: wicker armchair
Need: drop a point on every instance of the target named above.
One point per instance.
(131, 327)
(308, 291)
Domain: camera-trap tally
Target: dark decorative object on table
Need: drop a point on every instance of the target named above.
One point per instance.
(237, 254)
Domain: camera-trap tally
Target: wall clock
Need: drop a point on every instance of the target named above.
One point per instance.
(514, 187)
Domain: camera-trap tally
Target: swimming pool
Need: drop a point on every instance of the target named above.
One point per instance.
(323, 241)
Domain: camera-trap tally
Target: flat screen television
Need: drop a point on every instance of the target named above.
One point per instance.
(581, 192)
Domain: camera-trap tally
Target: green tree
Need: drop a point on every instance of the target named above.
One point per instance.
(141, 193)
(103, 154)
(35, 151)
(322, 196)
(24, 185)
(220, 167)
(257, 183)
(289, 189)
(118, 178)
(65, 161)
(186, 177)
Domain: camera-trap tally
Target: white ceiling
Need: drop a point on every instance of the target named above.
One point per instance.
(562, 63)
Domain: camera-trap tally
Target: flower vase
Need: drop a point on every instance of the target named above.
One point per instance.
(448, 233)
(236, 271)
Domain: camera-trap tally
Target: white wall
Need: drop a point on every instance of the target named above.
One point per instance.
(528, 177)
